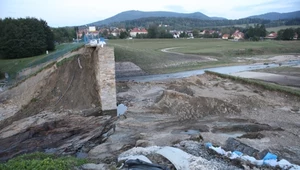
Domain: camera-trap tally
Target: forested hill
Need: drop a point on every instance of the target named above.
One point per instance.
(132, 15)
(277, 16)
(190, 23)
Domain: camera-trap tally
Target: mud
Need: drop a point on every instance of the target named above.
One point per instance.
(207, 108)
(204, 108)
(67, 134)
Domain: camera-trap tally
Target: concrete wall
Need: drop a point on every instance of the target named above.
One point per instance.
(105, 74)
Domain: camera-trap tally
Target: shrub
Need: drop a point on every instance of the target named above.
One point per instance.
(40, 160)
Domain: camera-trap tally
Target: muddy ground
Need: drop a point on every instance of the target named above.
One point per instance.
(51, 112)
(163, 113)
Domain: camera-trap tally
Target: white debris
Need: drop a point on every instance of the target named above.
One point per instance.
(177, 157)
(219, 150)
(121, 109)
(180, 159)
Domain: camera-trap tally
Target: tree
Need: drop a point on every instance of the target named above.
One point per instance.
(182, 35)
(24, 37)
(297, 31)
(105, 33)
(254, 33)
(288, 34)
(123, 35)
(153, 31)
(195, 33)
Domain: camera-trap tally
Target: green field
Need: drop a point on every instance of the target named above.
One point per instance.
(147, 53)
(13, 66)
(275, 29)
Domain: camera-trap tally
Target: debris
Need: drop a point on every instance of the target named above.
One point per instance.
(270, 156)
(121, 109)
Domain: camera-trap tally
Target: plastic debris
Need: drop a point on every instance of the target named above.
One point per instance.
(270, 159)
(238, 153)
(121, 109)
(208, 145)
(219, 150)
(270, 156)
(176, 156)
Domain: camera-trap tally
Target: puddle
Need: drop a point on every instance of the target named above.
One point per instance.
(232, 134)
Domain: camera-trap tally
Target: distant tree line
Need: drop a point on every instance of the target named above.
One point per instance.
(288, 34)
(190, 23)
(24, 37)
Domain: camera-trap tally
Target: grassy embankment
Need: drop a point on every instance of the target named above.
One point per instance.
(264, 85)
(13, 66)
(42, 161)
(148, 55)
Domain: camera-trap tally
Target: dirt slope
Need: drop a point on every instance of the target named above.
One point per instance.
(51, 116)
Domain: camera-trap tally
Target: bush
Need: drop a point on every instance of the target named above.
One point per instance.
(42, 161)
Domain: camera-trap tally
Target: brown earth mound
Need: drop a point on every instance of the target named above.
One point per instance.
(188, 107)
(72, 86)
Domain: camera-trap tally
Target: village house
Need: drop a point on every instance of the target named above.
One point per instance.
(115, 33)
(237, 35)
(296, 36)
(135, 31)
(271, 36)
(225, 36)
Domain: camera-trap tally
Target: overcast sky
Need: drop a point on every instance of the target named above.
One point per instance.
(74, 12)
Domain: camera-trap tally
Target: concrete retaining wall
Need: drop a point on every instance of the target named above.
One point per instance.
(105, 75)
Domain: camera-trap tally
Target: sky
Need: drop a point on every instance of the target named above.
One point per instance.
(60, 13)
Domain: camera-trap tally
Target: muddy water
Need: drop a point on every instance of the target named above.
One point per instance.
(223, 70)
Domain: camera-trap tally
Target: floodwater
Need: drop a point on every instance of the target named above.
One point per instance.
(223, 70)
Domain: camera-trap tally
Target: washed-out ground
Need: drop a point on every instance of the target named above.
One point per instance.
(45, 113)
(163, 113)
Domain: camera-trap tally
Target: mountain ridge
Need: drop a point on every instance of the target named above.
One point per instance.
(277, 15)
(135, 14)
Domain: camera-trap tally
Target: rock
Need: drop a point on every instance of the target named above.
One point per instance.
(95, 111)
(142, 143)
(295, 109)
(105, 150)
(101, 151)
(91, 166)
(233, 144)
